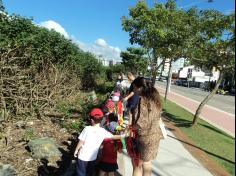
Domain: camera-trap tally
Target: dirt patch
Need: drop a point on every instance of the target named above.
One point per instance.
(14, 150)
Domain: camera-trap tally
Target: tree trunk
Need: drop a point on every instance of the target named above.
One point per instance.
(207, 98)
(162, 69)
(154, 66)
(168, 80)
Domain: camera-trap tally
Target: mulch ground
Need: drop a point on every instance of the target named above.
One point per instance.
(197, 152)
(14, 150)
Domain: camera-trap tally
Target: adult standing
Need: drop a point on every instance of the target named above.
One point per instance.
(146, 119)
(132, 98)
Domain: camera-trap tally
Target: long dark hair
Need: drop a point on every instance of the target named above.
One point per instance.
(148, 91)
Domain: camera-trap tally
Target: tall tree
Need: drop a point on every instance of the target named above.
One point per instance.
(214, 50)
(135, 60)
(2, 8)
(162, 29)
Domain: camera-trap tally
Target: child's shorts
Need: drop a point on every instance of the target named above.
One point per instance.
(85, 168)
(108, 167)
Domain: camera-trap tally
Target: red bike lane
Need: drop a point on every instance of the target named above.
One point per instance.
(216, 117)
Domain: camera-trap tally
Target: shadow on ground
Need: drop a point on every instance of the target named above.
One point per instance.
(179, 122)
(64, 167)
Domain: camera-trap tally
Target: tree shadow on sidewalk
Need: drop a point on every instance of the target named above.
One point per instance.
(210, 153)
(179, 122)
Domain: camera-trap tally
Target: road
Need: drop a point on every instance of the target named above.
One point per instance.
(223, 102)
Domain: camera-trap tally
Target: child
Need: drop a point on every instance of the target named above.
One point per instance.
(118, 106)
(90, 140)
(109, 108)
(108, 163)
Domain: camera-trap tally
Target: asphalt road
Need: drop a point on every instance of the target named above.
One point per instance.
(223, 102)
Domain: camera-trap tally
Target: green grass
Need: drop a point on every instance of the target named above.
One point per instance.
(217, 144)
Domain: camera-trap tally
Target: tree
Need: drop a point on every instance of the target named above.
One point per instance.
(212, 49)
(135, 60)
(2, 8)
(163, 29)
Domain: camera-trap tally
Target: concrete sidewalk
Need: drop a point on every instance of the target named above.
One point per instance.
(172, 160)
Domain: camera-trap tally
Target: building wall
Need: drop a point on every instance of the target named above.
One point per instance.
(195, 74)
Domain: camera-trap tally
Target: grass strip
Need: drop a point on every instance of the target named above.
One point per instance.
(217, 144)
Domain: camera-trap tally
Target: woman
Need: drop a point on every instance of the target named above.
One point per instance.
(145, 119)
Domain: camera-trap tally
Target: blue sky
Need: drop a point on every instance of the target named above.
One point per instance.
(94, 24)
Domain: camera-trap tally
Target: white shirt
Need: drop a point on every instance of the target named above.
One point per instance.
(93, 137)
(123, 84)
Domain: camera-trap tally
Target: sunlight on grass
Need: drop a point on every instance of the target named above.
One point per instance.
(221, 146)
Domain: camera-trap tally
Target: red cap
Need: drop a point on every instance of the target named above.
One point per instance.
(110, 104)
(96, 113)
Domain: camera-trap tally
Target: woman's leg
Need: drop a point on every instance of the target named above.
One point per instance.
(101, 173)
(111, 174)
(147, 168)
(137, 170)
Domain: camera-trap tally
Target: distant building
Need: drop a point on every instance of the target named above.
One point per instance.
(106, 62)
(175, 66)
(198, 76)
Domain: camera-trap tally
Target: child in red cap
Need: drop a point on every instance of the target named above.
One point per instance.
(90, 140)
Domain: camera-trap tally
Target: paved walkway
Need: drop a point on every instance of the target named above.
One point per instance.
(220, 119)
(172, 160)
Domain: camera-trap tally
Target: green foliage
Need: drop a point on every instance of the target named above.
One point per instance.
(106, 87)
(135, 60)
(163, 30)
(42, 63)
(217, 144)
(91, 69)
(63, 107)
(113, 70)
(212, 49)
(40, 47)
(75, 126)
(29, 134)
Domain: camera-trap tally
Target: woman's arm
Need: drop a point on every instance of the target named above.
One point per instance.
(128, 96)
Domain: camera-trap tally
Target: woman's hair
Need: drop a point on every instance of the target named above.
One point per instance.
(148, 91)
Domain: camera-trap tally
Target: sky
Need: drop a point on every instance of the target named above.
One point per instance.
(95, 25)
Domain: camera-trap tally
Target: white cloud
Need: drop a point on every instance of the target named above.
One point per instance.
(56, 26)
(100, 47)
(101, 42)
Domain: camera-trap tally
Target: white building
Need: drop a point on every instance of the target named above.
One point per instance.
(106, 62)
(175, 66)
(195, 74)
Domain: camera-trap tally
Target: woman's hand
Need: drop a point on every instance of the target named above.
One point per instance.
(126, 98)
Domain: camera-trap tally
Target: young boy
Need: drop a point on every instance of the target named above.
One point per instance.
(90, 140)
